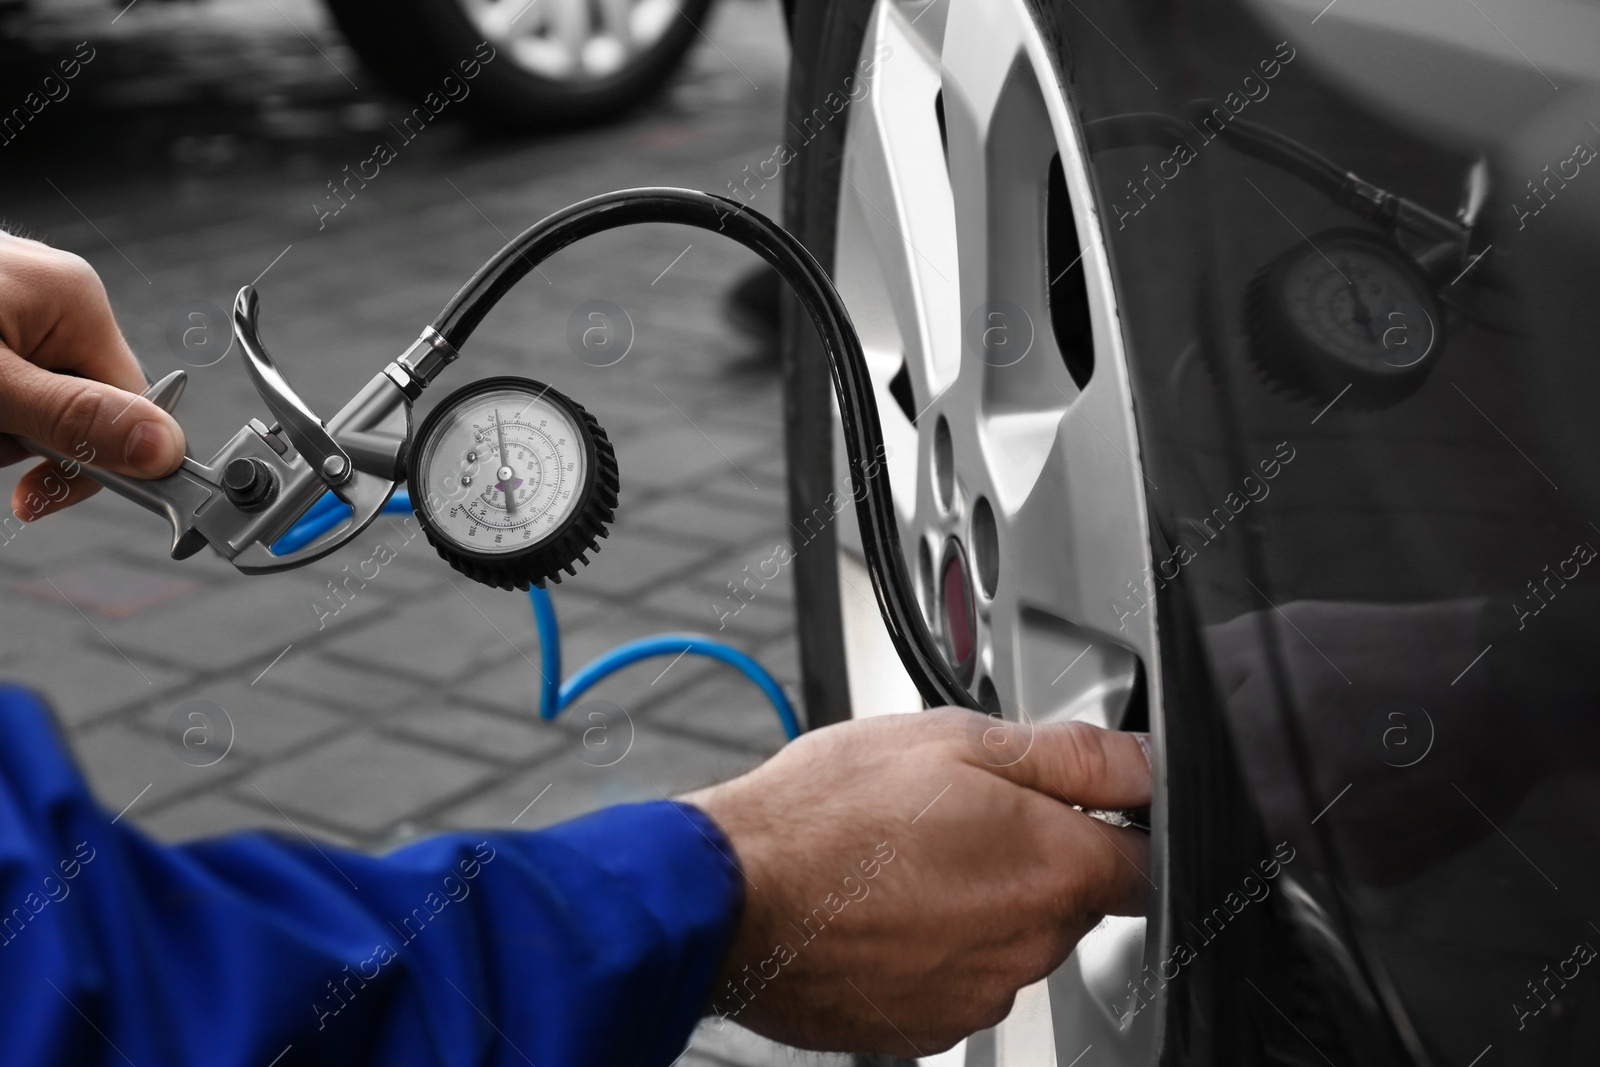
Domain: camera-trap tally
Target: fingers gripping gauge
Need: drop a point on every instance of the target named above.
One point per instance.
(513, 482)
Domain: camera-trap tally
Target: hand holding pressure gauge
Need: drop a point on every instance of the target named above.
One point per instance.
(513, 483)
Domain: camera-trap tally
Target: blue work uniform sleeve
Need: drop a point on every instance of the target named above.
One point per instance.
(592, 942)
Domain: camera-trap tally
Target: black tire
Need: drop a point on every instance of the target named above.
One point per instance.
(1211, 1016)
(826, 38)
(411, 45)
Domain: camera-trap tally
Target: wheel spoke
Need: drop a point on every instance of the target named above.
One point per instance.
(616, 19)
(901, 209)
(569, 20)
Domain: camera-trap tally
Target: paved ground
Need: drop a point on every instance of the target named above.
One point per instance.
(184, 164)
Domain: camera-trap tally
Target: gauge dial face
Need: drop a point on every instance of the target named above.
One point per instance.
(1359, 303)
(504, 470)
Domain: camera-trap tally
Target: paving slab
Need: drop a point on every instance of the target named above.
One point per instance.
(309, 674)
(249, 619)
(87, 680)
(722, 708)
(364, 783)
(250, 722)
(499, 738)
(631, 561)
(209, 815)
(126, 767)
(436, 639)
(689, 521)
(107, 588)
(614, 758)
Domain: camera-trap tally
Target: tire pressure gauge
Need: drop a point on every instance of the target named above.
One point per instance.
(513, 482)
(1349, 309)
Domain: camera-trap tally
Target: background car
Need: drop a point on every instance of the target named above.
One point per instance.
(1234, 361)
(567, 62)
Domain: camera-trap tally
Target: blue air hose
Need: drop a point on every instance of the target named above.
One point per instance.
(555, 696)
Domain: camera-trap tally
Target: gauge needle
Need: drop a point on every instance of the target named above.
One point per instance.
(1363, 315)
(505, 465)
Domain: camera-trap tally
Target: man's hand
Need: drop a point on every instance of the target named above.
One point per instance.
(906, 875)
(69, 380)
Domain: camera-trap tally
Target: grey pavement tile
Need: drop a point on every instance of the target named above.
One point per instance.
(438, 638)
(576, 599)
(83, 534)
(782, 658)
(765, 495)
(694, 522)
(501, 738)
(50, 633)
(754, 405)
(13, 566)
(748, 573)
(766, 563)
(263, 724)
(207, 815)
(772, 464)
(627, 622)
(512, 686)
(723, 708)
(632, 561)
(83, 684)
(390, 559)
(362, 783)
(625, 408)
(367, 689)
(124, 765)
(106, 588)
(152, 550)
(749, 608)
(691, 607)
(246, 619)
(674, 454)
(653, 764)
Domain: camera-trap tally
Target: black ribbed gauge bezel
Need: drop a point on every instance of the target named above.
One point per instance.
(1296, 362)
(563, 548)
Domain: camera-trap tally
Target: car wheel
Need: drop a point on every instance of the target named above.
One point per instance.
(938, 170)
(556, 62)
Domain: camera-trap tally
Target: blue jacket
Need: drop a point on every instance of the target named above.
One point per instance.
(592, 942)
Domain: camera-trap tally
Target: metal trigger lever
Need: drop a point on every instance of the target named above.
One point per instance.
(300, 424)
(265, 478)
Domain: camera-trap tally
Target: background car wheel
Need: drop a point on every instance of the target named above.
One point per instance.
(557, 62)
(940, 174)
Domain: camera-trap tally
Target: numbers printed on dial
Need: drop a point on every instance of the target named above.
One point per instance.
(504, 467)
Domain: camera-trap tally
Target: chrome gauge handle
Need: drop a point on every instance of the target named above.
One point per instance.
(300, 424)
(265, 478)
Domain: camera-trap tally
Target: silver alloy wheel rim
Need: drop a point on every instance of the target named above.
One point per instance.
(572, 40)
(1036, 479)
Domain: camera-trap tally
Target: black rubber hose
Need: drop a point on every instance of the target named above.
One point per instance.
(880, 534)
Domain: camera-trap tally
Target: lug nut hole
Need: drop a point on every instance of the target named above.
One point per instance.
(944, 464)
(925, 578)
(986, 547)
